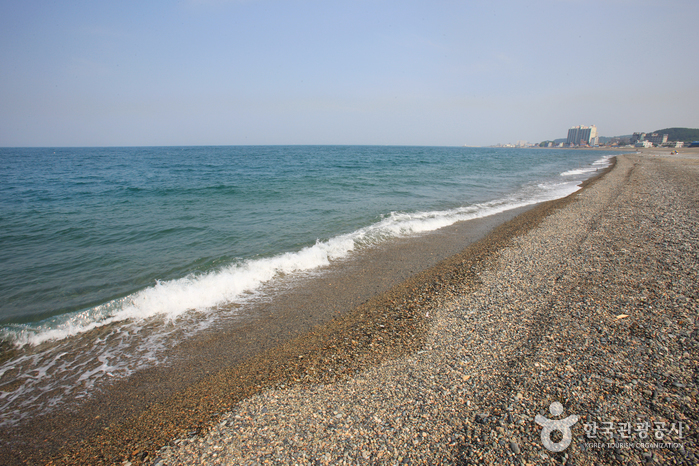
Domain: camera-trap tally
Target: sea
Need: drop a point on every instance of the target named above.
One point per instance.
(111, 256)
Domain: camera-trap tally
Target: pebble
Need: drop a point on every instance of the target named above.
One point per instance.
(514, 447)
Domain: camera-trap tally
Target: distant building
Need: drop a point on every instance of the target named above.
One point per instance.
(657, 139)
(582, 136)
(524, 144)
(653, 138)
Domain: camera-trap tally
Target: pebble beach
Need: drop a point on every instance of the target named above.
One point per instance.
(590, 301)
(595, 308)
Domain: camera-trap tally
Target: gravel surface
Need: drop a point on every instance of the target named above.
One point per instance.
(595, 308)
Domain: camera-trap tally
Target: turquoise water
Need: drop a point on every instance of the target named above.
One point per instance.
(118, 236)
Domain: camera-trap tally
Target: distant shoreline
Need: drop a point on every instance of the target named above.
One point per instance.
(664, 151)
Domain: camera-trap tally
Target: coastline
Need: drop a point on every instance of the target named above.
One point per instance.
(131, 419)
(595, 307)
(395, 329)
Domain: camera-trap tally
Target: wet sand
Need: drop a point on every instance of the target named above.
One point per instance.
(362, 311)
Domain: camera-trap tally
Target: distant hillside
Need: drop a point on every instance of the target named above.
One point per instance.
(680, 134)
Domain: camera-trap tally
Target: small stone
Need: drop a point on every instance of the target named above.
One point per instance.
(514, 447)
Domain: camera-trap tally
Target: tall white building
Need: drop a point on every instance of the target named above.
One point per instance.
(582, 136)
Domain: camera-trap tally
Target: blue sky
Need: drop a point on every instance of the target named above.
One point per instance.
(217, 72)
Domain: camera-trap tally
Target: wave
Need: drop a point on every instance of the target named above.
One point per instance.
(579, 171)
(200, 293)
(241, 281)
(596, 165)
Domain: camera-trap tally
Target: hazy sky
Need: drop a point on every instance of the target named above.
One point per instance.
(217, 72)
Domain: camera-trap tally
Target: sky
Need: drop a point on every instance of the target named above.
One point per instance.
(437, 73)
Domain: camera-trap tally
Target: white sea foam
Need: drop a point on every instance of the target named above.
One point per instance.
(596, 165)
(579, 171)
(200, 293)
(603, 161)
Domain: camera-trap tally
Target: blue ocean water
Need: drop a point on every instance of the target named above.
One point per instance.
(91, 237)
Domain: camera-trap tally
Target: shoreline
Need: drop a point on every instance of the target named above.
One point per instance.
(193, 403)
(387, 326)
(109, 426)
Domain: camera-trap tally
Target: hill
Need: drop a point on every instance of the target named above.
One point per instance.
(680, 134)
